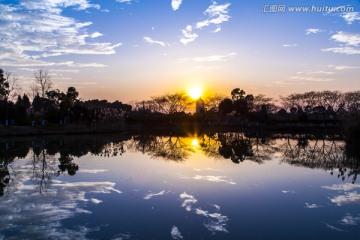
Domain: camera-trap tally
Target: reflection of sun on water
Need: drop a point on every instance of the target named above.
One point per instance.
(195, 142)
(195, 92)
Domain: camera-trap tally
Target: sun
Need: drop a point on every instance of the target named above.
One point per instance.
(195, 92)
(195, 142)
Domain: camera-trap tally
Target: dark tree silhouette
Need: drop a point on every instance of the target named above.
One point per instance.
(226, 106)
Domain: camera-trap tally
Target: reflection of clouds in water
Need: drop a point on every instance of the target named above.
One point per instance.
(206, 169)
(288, 191)
(121, 237)
(45, 212)
(333, 228)
(151, 195)
(94, 187)
(216, 206)
(92, 171)
(351, 197)
(175, 233)
(313, 205)
(350, 220)
(188, 200)
(216, 221)
(347, 197)
(214, 179)
(95, 201)
(342, 187)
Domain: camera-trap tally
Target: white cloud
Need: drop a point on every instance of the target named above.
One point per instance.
(351, 197)
(321, 72)
(214, 58)
(175, 233)
(313, 31)
(350, 39)
(151, 195)
(63, 201)
(96, 34)
(189, 36)
(350, 220)
(343, 50)
(38, 29)
(188, 201)
(216, 221)
(154, 42)
(215, 15)
(217, 179)
(95, 201)
(333, 228)
(56, 6)
(124, 1)
(290, 45)
(311, 206)
(342, 187)
(345, 68)
(350, 17)
(349, 43)
(175, 4)
(310, 79)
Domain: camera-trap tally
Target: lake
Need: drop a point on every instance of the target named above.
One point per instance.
(205, 186)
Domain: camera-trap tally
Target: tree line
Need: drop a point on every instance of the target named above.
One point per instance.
(330, 108)
(50, 105)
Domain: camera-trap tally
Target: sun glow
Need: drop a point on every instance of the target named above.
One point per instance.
(195, 92)
(195, 142)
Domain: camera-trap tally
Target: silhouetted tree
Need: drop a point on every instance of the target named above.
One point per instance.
(237, 94)
(43, 80)
(226, 106)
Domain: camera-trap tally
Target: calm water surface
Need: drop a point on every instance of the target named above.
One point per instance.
(222, 186)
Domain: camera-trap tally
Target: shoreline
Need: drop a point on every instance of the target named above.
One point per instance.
(81, 129)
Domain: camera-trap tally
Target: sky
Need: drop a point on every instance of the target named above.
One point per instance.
(131, 50)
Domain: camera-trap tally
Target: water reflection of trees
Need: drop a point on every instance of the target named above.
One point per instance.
(48, 158)
(326, 153)
(51, 157)
(174, 148)
(239, 147)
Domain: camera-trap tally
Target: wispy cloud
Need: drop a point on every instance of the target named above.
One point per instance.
(124, 1)
(175, 4)
(343, 50)
(320, 72)
(39, 29)
(351, 41)
(175, 233)
(151, 195)
(342, 187)
(312, 205)
(350, 220)
(339, 68)
(310, 79)
(217, 179)
(313, 31)
(188, 201)
(215, 15)
(350, 17)
(188, 35)
(150, 41)
(215, 58)
(216, 221)
(290, 45)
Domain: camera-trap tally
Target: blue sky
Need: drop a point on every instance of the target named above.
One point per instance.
(134, 49)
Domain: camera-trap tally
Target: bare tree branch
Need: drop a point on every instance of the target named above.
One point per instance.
(42, 78)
